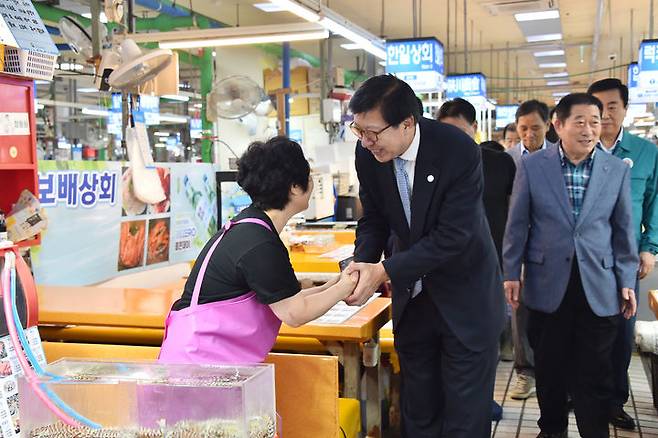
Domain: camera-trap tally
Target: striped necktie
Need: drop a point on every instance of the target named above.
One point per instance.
(402, 179)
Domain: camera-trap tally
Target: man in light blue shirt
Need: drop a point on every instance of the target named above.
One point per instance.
(532, 124)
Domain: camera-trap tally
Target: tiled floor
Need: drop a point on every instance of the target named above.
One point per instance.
(520, 417)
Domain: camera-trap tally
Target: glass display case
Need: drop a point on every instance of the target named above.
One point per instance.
(148, 399)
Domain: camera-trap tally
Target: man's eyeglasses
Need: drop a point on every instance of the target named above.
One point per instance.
(366, 134)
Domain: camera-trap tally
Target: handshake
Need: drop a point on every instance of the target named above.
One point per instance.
(360, 281)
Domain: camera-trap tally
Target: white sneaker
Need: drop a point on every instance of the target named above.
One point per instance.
(523, 388)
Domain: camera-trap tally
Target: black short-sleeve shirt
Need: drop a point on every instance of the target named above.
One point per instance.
(249, 258)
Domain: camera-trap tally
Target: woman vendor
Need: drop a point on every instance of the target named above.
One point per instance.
(242, 285)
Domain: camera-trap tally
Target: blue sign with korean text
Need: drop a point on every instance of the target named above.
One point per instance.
(150, 106)
(647, 83)
(78, 188)
(470, 85)
(196, 130)
(505, 114)
(114, 119)
(419, 62)
(648, 59)
(633, 75)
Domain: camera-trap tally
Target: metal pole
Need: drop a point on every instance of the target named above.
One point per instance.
(491, 64)
(621, 52)
(651, 19)
(465, 39)
(323, 75)
(516, 79)
(456, 34)
(207, 76)
(631, 39)
(381, 26)
(507, 74)
(498, 82)
(448, 36)
(286, 83)
(95, 27)
(131, 16)
(414, 17)
(481, 54)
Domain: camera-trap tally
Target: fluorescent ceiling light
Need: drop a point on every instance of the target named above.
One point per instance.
(362, 41)
(177, 97)
(541, 15)
(268, 7)
(562, 74)
(161, 134)
(544, 37)
(198, 105)
(554, 83)
(88, 90)
(102, 17)
(95, 112)
(350, 46)
(230, 36)
(173, 119)
(549, 53)
(240, 41)
(560, 93)
(41, 82)
(297, 9)
(553, 65)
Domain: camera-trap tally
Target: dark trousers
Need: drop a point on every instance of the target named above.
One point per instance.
(573, 348)
(621, 357)
(446, 389)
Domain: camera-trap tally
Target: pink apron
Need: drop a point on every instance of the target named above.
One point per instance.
(236, 331)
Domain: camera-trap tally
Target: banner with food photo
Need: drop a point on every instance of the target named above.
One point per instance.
(98, 227)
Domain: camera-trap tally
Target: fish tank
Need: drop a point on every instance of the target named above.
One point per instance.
(150, 399)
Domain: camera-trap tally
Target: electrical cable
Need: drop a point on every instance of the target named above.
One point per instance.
(63, 411)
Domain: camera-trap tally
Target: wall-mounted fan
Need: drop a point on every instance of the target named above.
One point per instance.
(237, 96)
(137, 67)
(78, 37)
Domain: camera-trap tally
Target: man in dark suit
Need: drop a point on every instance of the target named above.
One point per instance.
(421, 181)
(498, 169)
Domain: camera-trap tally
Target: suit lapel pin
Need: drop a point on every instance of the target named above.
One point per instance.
(430, 178)
(629, 162)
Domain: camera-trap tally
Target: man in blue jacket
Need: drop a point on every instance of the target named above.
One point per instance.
(642, 158)
(570, 225)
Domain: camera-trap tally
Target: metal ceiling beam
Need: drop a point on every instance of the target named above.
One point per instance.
(597, 37)
(531, 47)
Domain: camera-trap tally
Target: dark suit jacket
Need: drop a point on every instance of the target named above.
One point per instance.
(449, 245)
(499, 170)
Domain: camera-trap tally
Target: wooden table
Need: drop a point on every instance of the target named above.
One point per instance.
(126, 315)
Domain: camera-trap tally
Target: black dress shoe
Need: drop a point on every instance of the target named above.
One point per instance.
(562, 434)
(622, 420)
